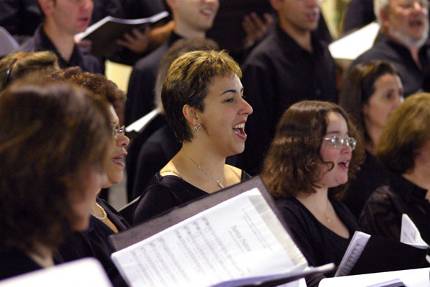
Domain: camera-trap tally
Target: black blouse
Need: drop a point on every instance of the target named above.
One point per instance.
(167, 192)
(318, 244)
(14, 262)
(94, 243)
(372, 174)
(382, 214)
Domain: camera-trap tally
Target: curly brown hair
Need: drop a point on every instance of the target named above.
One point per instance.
(97, 84)
(48, 134)
(291, 164)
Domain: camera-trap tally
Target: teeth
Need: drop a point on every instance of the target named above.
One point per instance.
(239, 126)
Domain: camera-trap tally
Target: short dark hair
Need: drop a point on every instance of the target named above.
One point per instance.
(179, 48)
(19, 64)
(359, 85)
(187, 83)
(291, 164)
(407, 130)
(48, 134)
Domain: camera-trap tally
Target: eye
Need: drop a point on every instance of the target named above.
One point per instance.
(229, 100)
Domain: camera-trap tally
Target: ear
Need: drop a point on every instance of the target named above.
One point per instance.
(47, 6)
(384, 15)
(365, 109)
(191, 114)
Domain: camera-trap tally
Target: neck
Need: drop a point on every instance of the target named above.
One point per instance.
(61, 40)
(42, 256)
(187, 32)
(314, 200)
(374, 135)
(302, 37)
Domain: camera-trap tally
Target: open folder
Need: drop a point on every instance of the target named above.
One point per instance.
(104, 33)
(232, 234)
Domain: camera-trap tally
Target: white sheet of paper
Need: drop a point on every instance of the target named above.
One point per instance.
(411, 278)
(410, 234)
(237, 238)
(84, 272)
(353, 45)
(352, 253)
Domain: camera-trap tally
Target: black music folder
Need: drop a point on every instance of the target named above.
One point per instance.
(227, 30)
(234, 237)
(104, 33)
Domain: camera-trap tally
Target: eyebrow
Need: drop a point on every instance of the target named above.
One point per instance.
(234, 91)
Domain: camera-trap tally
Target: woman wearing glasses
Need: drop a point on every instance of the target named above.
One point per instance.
(404, 148)
(312, 156)
(105, 220)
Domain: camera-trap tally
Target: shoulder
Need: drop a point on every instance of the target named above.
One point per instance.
(152, 60)
(265, 51)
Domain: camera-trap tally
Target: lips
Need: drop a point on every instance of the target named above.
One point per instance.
(119, 159)
(239, 130)
(208, 12)
(343, 164)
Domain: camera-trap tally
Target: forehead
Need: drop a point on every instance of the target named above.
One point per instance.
(336, 123)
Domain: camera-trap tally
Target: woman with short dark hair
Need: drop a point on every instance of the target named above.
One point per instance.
(203, 101)
(54, 143)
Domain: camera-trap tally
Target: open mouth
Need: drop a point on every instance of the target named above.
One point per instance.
(416, 23)
(239, 130)
(343, 164)
(119, 160)
(208, 12)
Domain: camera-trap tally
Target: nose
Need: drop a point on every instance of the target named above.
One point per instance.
(122, 140)
(87, 5)
(246, 107)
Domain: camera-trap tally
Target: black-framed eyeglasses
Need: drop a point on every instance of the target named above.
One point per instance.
(341, 141)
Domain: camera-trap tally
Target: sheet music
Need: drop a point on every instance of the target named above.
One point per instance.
(352, 253)
(410, 234)
(84, 272)
(238, 238)
(411, 277)
(353, 45)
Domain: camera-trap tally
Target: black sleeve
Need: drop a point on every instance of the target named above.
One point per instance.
(260, 93)
(381, 215)
(19, 17)
(157, 200)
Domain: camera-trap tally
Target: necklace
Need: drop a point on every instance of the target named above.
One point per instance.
(203, 171)
(103, 212)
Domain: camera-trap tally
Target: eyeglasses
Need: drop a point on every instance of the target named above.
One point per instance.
(341, 141)
(409, 4)
(118, 130)
(8, 73)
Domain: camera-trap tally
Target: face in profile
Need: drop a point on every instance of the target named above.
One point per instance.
(71, 16)
(116, 165)
(336, 150)
(196, 14)
(82, 201)
(224, 117)
(301, 16)
(407, 21)
(387, 96)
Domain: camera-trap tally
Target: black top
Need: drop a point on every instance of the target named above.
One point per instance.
(14, 262)
(411, 74)
(94, 243)
(358, 14)
(277, 74)
(41, 42)
(318, 244)
(140, 95)
(382, 214)
(155, 153)
(372, 174)
(167, 192)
